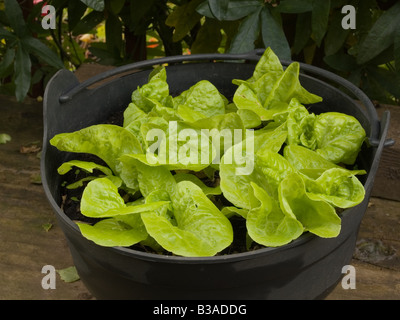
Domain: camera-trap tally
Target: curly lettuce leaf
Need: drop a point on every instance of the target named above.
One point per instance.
(200, 230)
(339, 137)
(337, 186)
(121, 231)
(267, 224)
(287, 87)
(106, 141)
(202, 100)
(132, 113)
(85, 165)
(155, 90)
(177, 146)
(310, 162)
(101, 199)
(317, 216)
(150, 179)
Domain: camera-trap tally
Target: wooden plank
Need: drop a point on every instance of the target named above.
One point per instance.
(377, 256)
(25, 246)
(387, 180)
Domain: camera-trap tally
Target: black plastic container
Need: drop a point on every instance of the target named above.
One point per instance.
(307, 268)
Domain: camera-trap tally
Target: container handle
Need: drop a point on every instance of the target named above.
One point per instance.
(249, 56)
(68, 96)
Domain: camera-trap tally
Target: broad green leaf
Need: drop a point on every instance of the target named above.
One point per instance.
(245, 98)
(273, 35)
(342, 62)
(303, 32)
(97, 5)
(88, 23)
(224, 130)
(287, 87)
(121, 231)
(268, 66)
(114, 33)
(240, 166)
(219, 8)
(339, 137)
(69, 274)
(101, 199)
(274, 168)
(76, 10)
(387, 79)
(227, 10)
(247, 33)
(306, 160)
(85, 165)
(4, 138)
(15, 17)
(7, 61)
(208, 38)
(337, 186)
(203, 99)
(249, 118)
(108, 142)
(155, 90)
(201, 230)
(41, 51)
(320, 19)
(336, 35)
(295, 6)
(267, 224)
(150, 179)
(317, 216)
(381, 35)
(132, 113)
(22, 69)
(231, 211)
(300, 125)
(184, 17)
(117, 5)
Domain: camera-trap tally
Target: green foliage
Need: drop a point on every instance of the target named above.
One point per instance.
(122, 31)
(294, 185)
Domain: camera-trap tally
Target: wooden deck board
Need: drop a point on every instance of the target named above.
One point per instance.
(25, 246)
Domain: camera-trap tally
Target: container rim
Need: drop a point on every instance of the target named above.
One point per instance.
(375, 141)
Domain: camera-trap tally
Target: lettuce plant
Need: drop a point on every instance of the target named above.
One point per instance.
(180, 168)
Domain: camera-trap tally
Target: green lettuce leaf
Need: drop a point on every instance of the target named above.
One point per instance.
(155, 90)
(106, 141)
(85, 165)
(338, 187)
(202, 100)
(268, 225)
(101, 199)
(287, 87)
(339, 137)
(132, 113)
(317, 216)
(201, 230)
(178, 146)
(121, 231)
